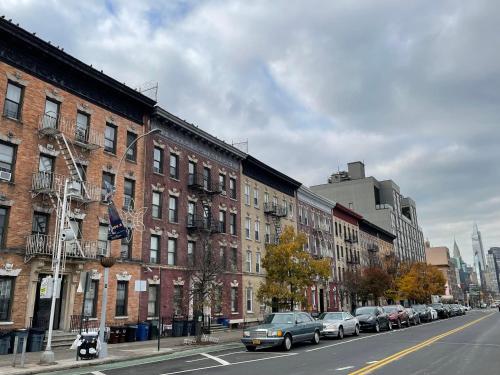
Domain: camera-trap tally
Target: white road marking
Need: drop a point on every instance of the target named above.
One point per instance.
(216, 359)
(371, 362)
(344, 368)
(226, 354)
(98, 373)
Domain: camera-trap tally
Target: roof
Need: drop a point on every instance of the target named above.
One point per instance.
(195, 131)
(347, 211)
(308, 196)
(369, 227)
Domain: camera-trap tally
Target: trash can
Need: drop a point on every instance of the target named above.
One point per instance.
(4, 342)
(142, 332)
(177, 327)
(35, 340)
(22, 335)
(131, 332)
(225, 322)
(122, 337)
(88, 348)
(153, 330)
(114, 334)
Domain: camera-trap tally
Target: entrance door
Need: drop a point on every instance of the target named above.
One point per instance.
(321, 301)
(41, 313)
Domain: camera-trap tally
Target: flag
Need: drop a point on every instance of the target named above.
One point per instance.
(116, 229)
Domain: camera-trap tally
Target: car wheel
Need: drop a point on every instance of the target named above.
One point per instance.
(315, 339)
(340, 335)
(287, 342)
(356, 330)
(251, 348)
(389, 325)
(399, 323)
(377, 327)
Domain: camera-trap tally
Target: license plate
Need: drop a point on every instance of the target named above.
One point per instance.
(256, 342)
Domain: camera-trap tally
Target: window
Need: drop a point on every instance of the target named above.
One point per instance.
(90, 304)
(248, 225)
(191, 173)
(300, 214)
(6, 297)
(268, 233)
(222, 221)
(234, 299)
(13, 99)
(154, 249)
(132, 151)
(191, 213)
(51, 114)
(290, 209)
(248, 262)
(128, 193)
(336, 229)
(217, 309)
(152, 300)
(266, 197)
(339, 275)
(108, 182)
(207, 178)
(110, 139)
(82, 127)
(313, 296)
(342, 251)
(174, 166)
(173, 209)
(338, 251)
(232, 224)
(102, 242)
(249, 299)
(158, 160)
(257, 262)
(191, 252)
(40, 223)
(121, 298)
(156, 205)
(247, 194)
(7, 159)
(256, 197)
(234, 259)
(257, 230)
(172, 251)
(306, 217)
(222, 183)
(178, 297)
(232, 188)
(126, 246)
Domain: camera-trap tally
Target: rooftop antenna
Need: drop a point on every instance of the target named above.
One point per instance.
(150, 89)
(241, 145)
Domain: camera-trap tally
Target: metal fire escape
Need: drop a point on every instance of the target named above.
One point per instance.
(276, 212)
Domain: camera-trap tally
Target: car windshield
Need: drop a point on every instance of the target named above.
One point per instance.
(390, 308)
(331, 316)
(279, 318)
(365, 310)
(419, 307)
(438, 305)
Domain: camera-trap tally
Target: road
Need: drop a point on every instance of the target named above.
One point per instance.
(462, 345)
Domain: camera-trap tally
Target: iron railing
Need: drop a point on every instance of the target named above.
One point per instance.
(52, 183)
(275, 209)
(43, 244)
(198, 181)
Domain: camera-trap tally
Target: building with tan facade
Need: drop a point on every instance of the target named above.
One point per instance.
(62, 121)
(268, 204)
(439, 256)
(375, 243)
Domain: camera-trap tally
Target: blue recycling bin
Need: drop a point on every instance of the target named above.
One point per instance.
(142, 332)
(177, 328)
(22, 335)
(225, 322)
(35, 340)
(4, 342)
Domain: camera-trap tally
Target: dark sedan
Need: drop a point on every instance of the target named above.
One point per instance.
(372, 318)
(424, 312)
(441, 309)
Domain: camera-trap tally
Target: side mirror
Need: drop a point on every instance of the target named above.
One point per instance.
(296, 322)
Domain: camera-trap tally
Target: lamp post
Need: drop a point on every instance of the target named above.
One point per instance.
(107, 263)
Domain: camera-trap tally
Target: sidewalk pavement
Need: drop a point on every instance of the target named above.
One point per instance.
(66, 358)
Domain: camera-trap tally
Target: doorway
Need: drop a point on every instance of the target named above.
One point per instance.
(321, 301)
(41, 313)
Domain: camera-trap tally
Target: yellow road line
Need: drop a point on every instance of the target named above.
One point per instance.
(368, 369)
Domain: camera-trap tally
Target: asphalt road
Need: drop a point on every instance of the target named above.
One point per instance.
(462, 345)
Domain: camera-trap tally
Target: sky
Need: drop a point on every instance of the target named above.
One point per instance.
(409, 87)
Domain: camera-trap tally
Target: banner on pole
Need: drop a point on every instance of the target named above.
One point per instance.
(116, 229)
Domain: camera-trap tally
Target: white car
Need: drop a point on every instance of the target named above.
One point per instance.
(336, 324)
(434, 313)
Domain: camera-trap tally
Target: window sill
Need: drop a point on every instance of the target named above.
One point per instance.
(159, 174)
(121, 317)
(233, 199)
(131, 161)
(173, 222)
(13, 119)
(6, 323)
(12, 183)
(175, 178)
(157, 218)
(92, 319)
(109, 153)
(234, 312)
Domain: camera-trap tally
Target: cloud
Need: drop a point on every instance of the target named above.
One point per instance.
(411, 88)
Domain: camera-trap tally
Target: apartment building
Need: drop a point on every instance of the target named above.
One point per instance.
(268, 204)
(315, 220)
(439, 256)
(63, 121)
(375, 243)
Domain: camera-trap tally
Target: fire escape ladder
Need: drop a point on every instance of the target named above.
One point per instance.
(277, 226)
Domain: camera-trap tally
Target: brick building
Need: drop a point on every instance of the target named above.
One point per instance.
(62, 119)
(315, 220)
(375, 243)
(268, 204)
(193, 198)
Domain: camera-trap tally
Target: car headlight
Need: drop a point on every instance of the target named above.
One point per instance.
(277, 333)
(246, 333)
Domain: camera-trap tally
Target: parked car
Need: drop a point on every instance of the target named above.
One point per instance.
(441, 309)
(372, 318)
(336, 324)
(413, 316)
(424, 312)
(467, 308)
(283, 329)
(457, 310)
(397, 315)
(434, 313)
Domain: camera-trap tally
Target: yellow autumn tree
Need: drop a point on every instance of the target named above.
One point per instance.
(290, 270)
(422, 281)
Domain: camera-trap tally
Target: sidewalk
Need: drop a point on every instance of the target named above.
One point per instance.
(66, 358)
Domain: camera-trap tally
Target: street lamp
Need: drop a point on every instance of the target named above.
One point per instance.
(107, 263)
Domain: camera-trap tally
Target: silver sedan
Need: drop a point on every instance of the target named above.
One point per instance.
(336, 324)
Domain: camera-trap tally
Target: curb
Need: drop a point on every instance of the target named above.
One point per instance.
(88, 366)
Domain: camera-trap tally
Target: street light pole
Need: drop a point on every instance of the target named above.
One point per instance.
(107, 263)
(47, 356)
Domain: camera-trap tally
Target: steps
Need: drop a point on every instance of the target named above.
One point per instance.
(217, 328)
(60, 339)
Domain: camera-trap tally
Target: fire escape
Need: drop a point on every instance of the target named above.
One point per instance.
(69, 137)
(352, 258)
(319, 229)
(276, 212)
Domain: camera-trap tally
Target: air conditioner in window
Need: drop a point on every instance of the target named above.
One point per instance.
(4, 175)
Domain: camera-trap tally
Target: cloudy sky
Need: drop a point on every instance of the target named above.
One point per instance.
(409, 87)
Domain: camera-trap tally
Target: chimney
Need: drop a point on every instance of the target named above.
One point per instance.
(356, 170)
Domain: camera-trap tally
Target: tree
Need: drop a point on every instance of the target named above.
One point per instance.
(395, 268)
(422, 281)
(374, 283)
(290, 270)
(351, 285)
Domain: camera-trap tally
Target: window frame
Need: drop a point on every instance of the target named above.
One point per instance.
(100, 241)
(232, 188)
(155, 250)
(172, 252)
(248, 261)
(115, 137)
(19, 104)
(12, 163)
(9, 299)
(155, 309)
(158, 169)
(173, 170)
(222, 221)
(249, 298)
(158, 206)
(222, 183)
(131, 154)
(248, 228)
(124, 312)
(93, 300)
(103, 185)
(232, 224)
(173, 211)
(125, 195)
(234, 299)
